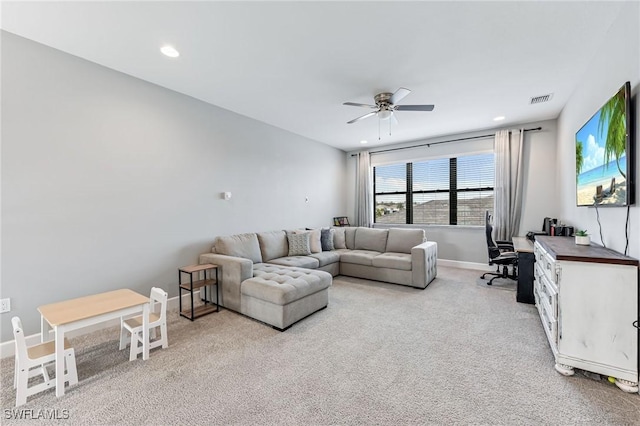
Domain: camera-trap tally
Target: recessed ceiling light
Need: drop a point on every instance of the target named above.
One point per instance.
(499, 118)
(363, 142)
(170, 51)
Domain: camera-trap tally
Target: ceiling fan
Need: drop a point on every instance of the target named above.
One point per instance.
(386, 105)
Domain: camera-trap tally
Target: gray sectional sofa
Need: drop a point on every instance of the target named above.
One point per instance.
(277, 279)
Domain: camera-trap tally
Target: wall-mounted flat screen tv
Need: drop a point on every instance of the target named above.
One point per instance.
(605, 169)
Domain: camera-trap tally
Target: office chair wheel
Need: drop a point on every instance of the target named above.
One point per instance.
(503, 274)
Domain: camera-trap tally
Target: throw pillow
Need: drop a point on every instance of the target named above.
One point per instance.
(314, 239)
(326, 239)
(315, 242)
(299, 244)
(339, 241)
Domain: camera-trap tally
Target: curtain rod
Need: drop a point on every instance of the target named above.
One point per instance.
(437, 143)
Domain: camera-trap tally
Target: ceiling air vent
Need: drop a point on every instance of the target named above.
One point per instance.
(540, 99)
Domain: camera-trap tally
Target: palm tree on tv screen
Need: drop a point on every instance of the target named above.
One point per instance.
(579, 159)
(613, 112)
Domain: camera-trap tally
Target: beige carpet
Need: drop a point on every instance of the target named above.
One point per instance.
(456, 353)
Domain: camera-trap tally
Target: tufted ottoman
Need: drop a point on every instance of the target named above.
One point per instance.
(281, 295)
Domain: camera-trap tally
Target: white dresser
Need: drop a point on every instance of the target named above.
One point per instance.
(587, 297)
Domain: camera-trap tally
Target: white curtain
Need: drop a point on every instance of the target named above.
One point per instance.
(507, 206)
(364, 196)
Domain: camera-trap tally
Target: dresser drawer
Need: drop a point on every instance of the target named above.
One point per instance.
(545, 263)
(538, 250)
(549, 293)
(536, 295)
(549, 324)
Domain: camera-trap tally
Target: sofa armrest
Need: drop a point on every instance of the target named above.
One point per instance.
(424, 263)
(233, 271)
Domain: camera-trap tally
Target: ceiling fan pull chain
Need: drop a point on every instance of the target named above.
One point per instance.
(378, 128)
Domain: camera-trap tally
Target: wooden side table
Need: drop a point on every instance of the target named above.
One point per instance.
(207, 281)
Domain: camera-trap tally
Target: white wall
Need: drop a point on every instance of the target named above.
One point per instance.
(616, 60)
(110, 182)
(468, 243)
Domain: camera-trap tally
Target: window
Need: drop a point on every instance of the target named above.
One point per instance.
(445, 191)
(390, 187)
(431, 181)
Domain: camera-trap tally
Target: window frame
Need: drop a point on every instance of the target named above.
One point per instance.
(453, 190)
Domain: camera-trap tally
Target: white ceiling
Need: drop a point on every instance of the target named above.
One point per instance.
(293, 64)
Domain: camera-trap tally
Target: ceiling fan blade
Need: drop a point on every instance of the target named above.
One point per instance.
(394, 119)
(398, 95)
(359, 105)
(362, 117)
(414, 107)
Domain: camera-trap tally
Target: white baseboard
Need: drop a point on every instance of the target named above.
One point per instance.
(7, 349)
(485, 267)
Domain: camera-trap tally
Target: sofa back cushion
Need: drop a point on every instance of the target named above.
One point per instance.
(350, 237)
(339, 241)
(371, 239)
(402, 240)
(273, 245)
(240, 245)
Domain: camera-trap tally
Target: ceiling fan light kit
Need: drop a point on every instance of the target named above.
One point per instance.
(385, 114)
(386, 105)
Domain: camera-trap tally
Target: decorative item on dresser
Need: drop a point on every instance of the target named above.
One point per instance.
(587, 298)
(582, 238)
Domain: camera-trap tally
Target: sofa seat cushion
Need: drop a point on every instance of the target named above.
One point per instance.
(360, 257)
(327, 257)
(341, 251)
(297, 261)
(393, 261)
(283, 285)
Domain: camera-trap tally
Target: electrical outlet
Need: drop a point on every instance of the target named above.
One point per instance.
(5, 305)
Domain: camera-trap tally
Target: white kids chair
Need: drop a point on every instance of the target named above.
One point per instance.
(30, 362)
(157, 318)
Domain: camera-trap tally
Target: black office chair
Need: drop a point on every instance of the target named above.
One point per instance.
(501, 253)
